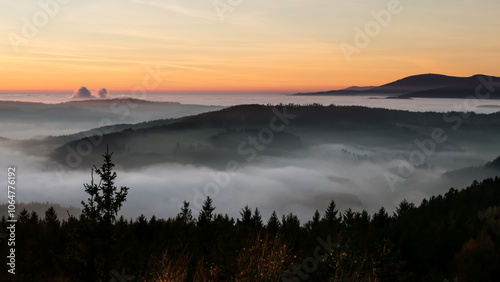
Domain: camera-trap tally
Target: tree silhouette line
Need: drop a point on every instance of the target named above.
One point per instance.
(452, 235)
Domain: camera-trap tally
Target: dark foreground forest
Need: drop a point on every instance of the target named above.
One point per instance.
(451, 237)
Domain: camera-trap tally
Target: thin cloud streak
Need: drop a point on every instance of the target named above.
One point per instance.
(75, 58)
(180, 9)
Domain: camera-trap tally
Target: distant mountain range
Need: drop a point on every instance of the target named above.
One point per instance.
(425, 86)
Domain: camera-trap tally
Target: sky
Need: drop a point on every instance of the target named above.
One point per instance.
(241, 45)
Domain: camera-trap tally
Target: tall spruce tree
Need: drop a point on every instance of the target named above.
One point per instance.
(273, 224)
(51, 218)
(101, 210)
(105, 199)
(206, 215)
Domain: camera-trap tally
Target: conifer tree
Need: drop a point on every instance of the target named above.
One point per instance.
(185, 214)
(101, 210)
(105, 199)
(206, 214)
(246, 216)
(331, 214)
(257, 219)
(23, 216)
(273, 224)
(51, 218)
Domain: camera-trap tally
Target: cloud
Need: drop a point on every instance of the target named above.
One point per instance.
(82, 93)
(180, 8)
(102, 93)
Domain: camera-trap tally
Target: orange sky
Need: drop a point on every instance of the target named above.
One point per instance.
(283, 46)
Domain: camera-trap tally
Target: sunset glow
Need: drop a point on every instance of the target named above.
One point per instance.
(258, 45)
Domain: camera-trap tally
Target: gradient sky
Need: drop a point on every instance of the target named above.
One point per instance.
(261, 45)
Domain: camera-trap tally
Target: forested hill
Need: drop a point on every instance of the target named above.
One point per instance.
(474, 172)
(213, 138)
(451, 236)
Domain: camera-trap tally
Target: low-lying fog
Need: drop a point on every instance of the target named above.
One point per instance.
(37, 120)
(299, 184)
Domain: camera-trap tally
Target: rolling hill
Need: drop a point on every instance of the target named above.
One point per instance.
(424, 86)
(214, 138)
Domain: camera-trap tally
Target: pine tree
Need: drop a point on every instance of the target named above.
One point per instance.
(100, 211)
(313, 223)
(257, 219)
(246, 216)
(185, 215)
(331, 214)
(105, 200)
(404, 208)
(379, 224)
(51, 218)
(290, 227)
(347, 219)
(34, 219)
(23, 216)
(290, 220)
(206, 214)
(316, 218)
(273, 224)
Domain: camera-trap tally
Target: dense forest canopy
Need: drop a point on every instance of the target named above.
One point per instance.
(450, 236)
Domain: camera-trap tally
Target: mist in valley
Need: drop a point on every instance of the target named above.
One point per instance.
(299, 169)
(26, 120)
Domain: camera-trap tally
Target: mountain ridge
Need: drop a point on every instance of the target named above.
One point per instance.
(197, 138)
(420, 86)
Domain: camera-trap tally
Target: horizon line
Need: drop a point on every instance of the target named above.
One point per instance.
(238, 91)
